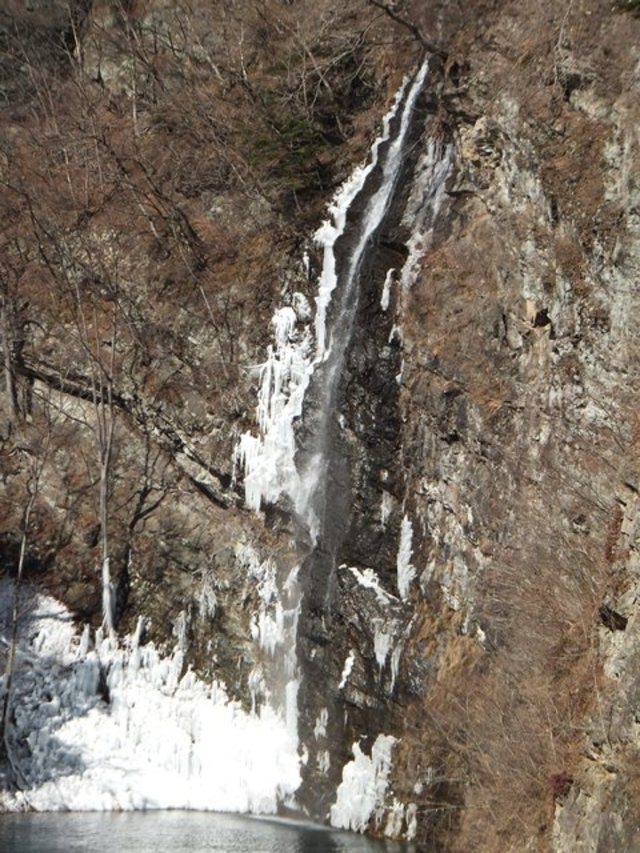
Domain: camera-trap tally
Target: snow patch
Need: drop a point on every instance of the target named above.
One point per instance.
(369, 580)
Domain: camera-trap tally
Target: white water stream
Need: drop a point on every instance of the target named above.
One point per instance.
(268, 459)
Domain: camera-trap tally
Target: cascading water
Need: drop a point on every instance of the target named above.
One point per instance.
(302, 375)
(346, 303)
(269, 459)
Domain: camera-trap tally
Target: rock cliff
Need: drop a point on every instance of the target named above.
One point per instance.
(466, 636)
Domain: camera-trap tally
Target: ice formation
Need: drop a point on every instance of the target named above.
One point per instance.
(324, 761)
(386, 507)
(386, 290)
(164, 739)
(347, 668)
(364, 784)
(320, 728)
(406, 571)
(382, 640)
(274, 629)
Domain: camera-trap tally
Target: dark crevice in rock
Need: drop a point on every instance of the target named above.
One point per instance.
(611, 619)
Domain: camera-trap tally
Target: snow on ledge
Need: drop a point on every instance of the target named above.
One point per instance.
(370, 580)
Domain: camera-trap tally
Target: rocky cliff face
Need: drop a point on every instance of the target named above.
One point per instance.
(519, 432)
(470, 618)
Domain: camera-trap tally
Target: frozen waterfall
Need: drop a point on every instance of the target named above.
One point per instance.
(107, 725)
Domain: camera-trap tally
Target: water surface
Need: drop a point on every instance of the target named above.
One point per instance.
(173, 832)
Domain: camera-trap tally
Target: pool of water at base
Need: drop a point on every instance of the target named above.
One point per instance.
(174, 832)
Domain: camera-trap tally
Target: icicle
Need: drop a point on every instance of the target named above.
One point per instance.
(406, 572)
(386, 290)
(363, 787)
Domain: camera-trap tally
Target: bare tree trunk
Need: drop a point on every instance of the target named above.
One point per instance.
(102, 371)
(395, 14)
(105, 423)
(105, 433)
(9, 372)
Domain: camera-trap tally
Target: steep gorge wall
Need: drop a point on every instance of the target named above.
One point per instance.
(519, 439)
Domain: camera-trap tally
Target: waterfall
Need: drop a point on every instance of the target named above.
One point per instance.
(301, 375)
(269, 459)
(390, 164)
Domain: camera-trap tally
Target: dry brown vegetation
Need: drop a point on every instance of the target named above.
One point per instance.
(158, 166)
(502, 728)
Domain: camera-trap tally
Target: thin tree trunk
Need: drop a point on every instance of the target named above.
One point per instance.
(105, 466)
(9, 372)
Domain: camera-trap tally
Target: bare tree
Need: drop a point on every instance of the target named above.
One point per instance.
(13, 317)
(7, 359)
(99, 346)
(397, 12)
